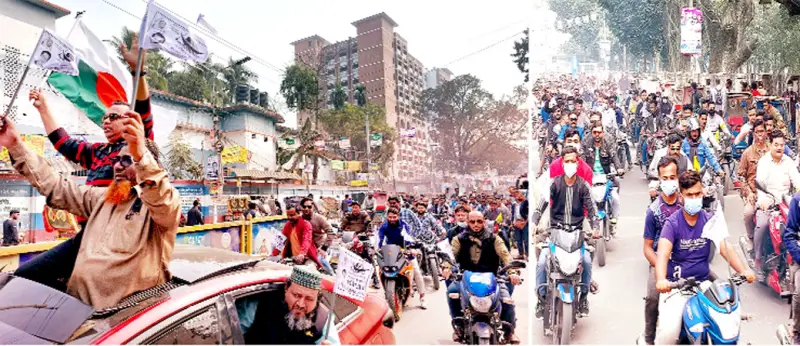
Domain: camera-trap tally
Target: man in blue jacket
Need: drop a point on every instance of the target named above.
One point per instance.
(791, 239)
(394, 231)
(695, 149)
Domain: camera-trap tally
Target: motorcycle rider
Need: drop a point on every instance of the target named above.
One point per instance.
(697, 151)
(480, 250)
(393, 230)
(600, 151)
(683, 251)
(657, 213)
(573, 139)
(428, 221)
(567, 187)
(791, 238)
(573, 123)
(369, 204)
(673, 149)
(777, 173)
(356, 220)
(461, 222)
(745, 131)
(747, 170)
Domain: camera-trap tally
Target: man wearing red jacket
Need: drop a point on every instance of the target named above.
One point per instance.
(299, 245)
(572, 138)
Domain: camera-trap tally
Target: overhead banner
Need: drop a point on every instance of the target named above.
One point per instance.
(163, 31)
(691, 31)
(233, 154)
(337, 165)
(288, 143)
(319, 144)
(354, 166)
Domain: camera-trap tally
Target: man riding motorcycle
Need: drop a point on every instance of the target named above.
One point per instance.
(683, 251)
(599, 152)
(568, 187)
(747, 172)
(657, 213)
(392, 231)
(778, 173)
(673, 149)
(697, 151)
(428, 221)
(481, 251)
(573, 139)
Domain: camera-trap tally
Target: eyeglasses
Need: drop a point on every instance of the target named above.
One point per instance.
(307, 207)
(113, 116)
(476, 222)
(597, 132)
(124, 160)
(675, 148)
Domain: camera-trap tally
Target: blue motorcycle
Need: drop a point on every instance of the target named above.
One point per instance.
(601, 195)
(480, 301)
(713, 314)
(564, 269)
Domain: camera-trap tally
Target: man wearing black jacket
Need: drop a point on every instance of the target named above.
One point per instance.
(194, 216)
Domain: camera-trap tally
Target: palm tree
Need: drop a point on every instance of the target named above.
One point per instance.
(339, 96)
(235, 75)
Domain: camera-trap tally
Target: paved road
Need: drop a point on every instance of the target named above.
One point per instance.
(617, 311)
(432, 326)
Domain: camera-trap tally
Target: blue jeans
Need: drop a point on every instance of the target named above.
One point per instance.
(644, 153)
(628, 154)
(636, 131)
(508, 313)
(522, 240)
(541, 271)
(325, 264)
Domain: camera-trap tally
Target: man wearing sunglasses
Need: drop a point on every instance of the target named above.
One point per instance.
(600, 152)
(573, 123)
(133, 255)
(479, 250)
(95, 157)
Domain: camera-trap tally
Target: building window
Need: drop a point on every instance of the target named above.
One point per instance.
(309, 44)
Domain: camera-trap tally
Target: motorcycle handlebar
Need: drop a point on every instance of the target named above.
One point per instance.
(683, 283)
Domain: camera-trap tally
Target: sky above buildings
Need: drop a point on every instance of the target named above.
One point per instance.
(439, 33)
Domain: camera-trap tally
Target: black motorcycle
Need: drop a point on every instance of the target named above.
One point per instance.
(397, 277)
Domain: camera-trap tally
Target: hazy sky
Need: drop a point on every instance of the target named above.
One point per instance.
(438, 32)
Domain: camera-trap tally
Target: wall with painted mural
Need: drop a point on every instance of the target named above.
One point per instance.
(228, 238)
(263, 235)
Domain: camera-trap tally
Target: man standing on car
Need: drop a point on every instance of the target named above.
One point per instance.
(320, 228)
(298, 319)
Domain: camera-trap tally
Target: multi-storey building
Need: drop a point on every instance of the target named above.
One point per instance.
(436, 76)
(377, 57)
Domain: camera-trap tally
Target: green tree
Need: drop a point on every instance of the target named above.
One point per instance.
(583, 39)
(640, 25)
(300, 88)
(361, 95)
(187, 84)
(520, 55)
(339, 97)
(474, 129)
(350, 121)
(180, 162)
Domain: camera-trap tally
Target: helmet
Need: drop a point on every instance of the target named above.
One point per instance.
(693, 124)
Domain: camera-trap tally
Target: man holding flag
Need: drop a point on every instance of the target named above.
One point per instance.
(55, 269)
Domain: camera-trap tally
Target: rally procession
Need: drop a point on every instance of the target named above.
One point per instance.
(253, 172)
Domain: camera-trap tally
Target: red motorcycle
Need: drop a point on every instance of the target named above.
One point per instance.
(776, 259)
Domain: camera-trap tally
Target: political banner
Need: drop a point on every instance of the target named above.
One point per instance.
(212, 167)
(691, 31)
(288, 143)
(234, 153)
(344, 143)
(354, 166)
(376, 140)
(408, 133)
(337, 165)
(163, 31)
(279, 242)
(353, 275)
(54, 54)
(319, 144)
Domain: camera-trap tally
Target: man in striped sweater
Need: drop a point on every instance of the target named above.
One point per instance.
(54, 267)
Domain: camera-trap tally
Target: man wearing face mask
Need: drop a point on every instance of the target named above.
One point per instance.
(572, 139)
(777, 173)
(683, 251)
(570, 196)
(673, 149)
(657, 213)
(600, 152)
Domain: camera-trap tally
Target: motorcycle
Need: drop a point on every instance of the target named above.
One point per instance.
(397, 277)
(728, 162)
(564, 269)
(601, 195)
(777, 259)
(364, 246)
(623, 146)
(479, 294)
(713, 314)
(430, 261)
(713, 197)
(651, 143)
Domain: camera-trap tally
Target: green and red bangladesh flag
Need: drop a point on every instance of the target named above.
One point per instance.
(102, 77)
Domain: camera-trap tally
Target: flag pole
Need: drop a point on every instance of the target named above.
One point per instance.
(136, 78)
(22, 79)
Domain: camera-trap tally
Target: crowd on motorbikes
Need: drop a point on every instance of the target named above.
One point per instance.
(463, 239)
(586, 131)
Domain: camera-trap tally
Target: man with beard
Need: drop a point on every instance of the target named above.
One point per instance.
(297, 319)
(393, 230)
(428, 221)
(356, 221)
(600, 152)
(319, 228)
(113, 262)
(299, 244)
(481, 251)
(95, 157)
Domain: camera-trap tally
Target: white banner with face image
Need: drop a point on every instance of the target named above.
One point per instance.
(352, 276)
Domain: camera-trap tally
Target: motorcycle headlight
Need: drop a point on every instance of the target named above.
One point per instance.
(598, 193)
(728, 323)
(481, 304)
(568, 262)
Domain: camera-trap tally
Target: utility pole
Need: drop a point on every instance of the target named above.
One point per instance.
(369, 147)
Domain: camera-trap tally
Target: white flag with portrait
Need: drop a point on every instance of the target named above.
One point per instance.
(54, 54)
(163, 31)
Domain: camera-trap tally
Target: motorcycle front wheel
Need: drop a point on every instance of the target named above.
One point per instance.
(393, 299)
(434, 268)
(601, 245)
(563, 330)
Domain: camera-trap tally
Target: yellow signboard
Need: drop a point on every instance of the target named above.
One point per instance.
(34, 142)
(234, 153)
(358, 183)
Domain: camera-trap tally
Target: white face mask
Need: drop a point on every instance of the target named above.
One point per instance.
(669, 187)
(570, 169)
(461, 224)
